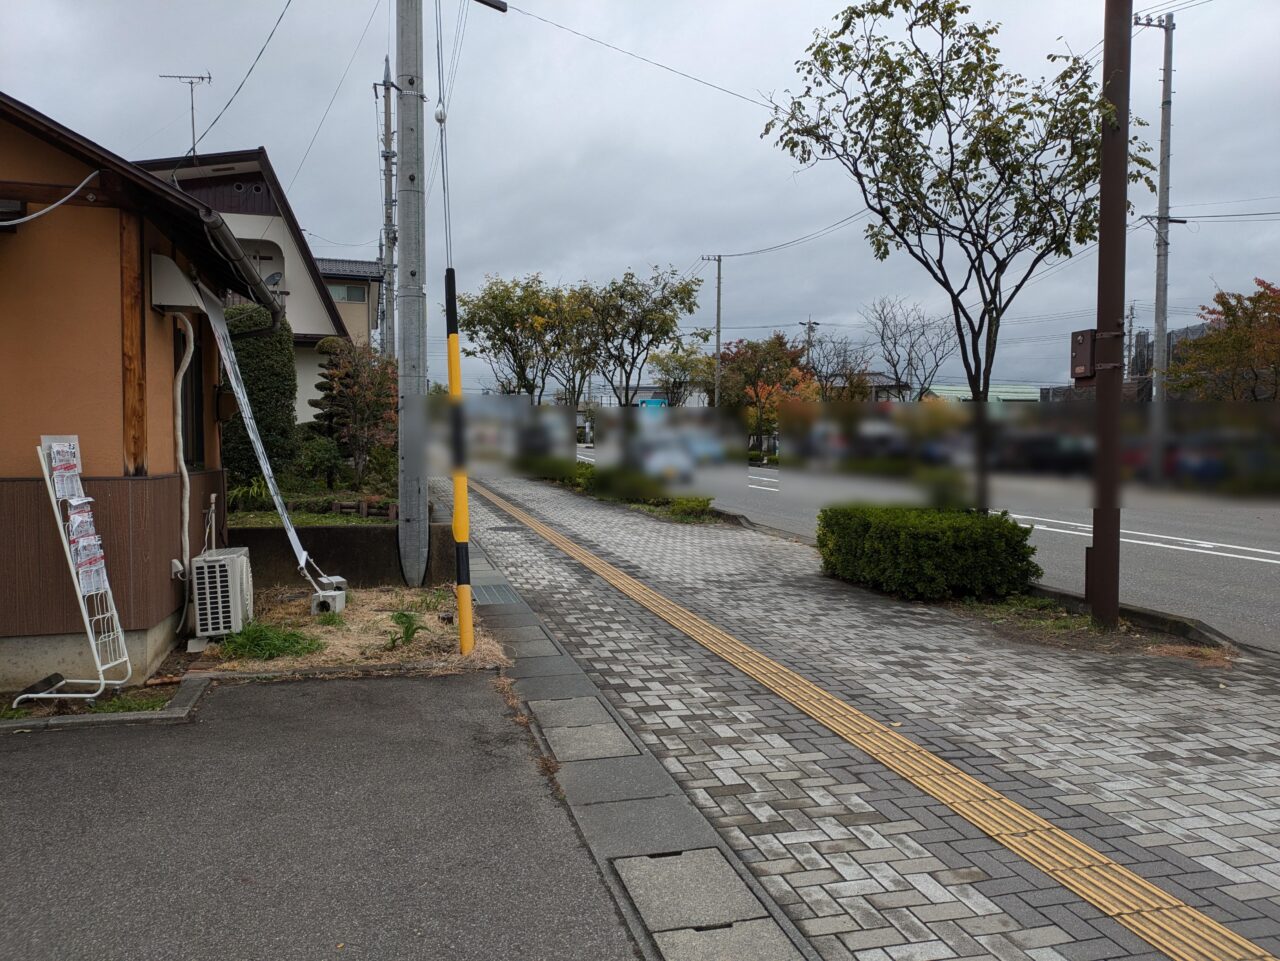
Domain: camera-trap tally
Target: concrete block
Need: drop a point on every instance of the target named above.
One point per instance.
(760, 940)
(592, 741)
(695, 889)
(570, 712)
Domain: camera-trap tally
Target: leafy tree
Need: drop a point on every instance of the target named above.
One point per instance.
(358, 400)
(838, 366)
(507, 325)
(271, 381)
(682, 370)
(637, 317)
(913, 346)
(1238, 358)
(976, 172)
(573, 339)
(757, 373)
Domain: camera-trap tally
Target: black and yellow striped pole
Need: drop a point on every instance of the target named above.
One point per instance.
(461, 517)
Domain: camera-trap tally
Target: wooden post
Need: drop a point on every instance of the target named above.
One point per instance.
(133, 345)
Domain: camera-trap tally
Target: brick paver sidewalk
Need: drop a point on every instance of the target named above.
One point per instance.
(1168, 768)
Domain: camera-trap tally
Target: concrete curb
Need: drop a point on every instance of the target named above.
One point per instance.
(177, 711)
(565, 683)
(393, 669)
(742, 520)
(1188, 628)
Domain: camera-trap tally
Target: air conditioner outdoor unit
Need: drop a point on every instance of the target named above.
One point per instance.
(223, 589)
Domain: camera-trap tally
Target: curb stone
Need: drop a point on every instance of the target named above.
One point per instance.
(177, 711)
(636, 815)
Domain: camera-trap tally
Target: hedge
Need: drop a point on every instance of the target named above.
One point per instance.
(271, 381)
(923, 554)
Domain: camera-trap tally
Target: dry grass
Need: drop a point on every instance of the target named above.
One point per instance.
(362, 635)
(1204, 656)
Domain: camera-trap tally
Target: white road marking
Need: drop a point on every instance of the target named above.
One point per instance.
(589, 460)
(1171, 547)
(759, 487)
(771, 480)
(1164, 537)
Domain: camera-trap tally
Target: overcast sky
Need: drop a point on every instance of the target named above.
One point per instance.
(576, 161)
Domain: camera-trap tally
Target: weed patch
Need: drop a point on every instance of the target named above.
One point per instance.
(131, 701)
(265, 642)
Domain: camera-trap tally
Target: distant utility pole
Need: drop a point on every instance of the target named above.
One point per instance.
(1102, 562)
(388, 216)
(192, 81)
(719, 264)
(1160, 347)
(411, 334)
(808, 326)
(1128, 343)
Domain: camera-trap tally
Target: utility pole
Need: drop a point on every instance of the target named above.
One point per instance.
(411, 334)
(1160, 346)
(192, 81)
(719, 264)
(808, 339)
(1128, 343)
(388, 217)
(1102, 561)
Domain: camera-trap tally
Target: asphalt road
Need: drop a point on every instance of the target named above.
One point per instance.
(381, 819)
(1210, 558)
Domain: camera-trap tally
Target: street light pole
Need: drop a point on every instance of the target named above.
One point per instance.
(1102, 565)
(719, 264)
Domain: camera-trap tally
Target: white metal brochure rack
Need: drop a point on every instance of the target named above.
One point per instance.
(60, 462)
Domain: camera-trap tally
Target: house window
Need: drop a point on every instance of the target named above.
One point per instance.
(348, 293)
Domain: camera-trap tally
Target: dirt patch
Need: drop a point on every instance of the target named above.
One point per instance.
(151, 698)
(380, 626)
(1045, 622)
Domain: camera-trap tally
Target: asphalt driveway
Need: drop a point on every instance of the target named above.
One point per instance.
(378, 819)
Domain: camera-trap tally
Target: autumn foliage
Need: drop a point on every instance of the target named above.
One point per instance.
(1239, 357)
(358, 398)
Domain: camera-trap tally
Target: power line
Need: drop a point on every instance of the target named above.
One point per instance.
(240, 86)
(814, 235)
(329, 106)
(636, 56)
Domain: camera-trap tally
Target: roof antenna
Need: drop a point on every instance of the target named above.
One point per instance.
(192, 81)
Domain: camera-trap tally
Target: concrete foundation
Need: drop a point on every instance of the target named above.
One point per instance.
(25, 660)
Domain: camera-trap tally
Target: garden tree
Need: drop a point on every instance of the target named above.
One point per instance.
(756, 373)
(978, 173)
(912, 345)
(1238, 358)
(507, 325)
(271, 381)
(839, 367)
(683, 369)
(573, 339)
(635, 317)
(358, 399)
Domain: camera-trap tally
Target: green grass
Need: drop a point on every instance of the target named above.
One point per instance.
(264, 642)
(329, 619)
(1041, 613)
(14, 713)
(429, 603)
(131, 701)
(300, 519)
(408, 624)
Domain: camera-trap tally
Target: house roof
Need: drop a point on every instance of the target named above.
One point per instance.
(349, 269)
(124, 184)
(181, 168)
(995, 392)
(877, 379)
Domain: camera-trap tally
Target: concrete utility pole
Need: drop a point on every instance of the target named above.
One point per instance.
(388, 218)
(719, 264)
(809, 325)
(411, 339)
(1102, 562)
(1160, 347)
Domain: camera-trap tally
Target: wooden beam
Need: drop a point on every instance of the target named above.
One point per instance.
(36, 193)
(133, 345)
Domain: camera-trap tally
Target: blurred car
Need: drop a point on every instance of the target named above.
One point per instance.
(666, 459)
(704, 447)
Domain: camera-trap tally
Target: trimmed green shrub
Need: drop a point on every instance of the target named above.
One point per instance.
(922, 554)
(266, 364)
(545, 467)
(690, 508)
(628, 485)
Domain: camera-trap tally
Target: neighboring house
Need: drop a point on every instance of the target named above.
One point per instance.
(87, 351)
(242, 186)
(886, 387)
(995, 392)
(355, 286)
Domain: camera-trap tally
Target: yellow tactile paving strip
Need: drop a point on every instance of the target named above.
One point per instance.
(1180, 931)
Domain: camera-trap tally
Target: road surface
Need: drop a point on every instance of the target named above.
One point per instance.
(1210, 558)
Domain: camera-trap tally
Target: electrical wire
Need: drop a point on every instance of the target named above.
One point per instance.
(329, 106)
(52, 207)
(442, 114)
(240, 86)
(636, 56)
(814, 235)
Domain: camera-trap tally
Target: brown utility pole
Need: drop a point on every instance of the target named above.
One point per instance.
(1102, 564)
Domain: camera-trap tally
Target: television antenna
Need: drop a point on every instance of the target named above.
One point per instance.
(192, 81)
